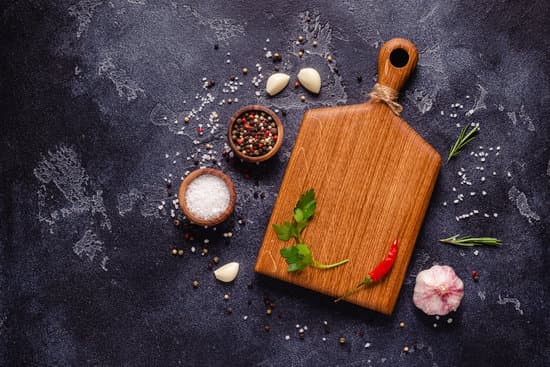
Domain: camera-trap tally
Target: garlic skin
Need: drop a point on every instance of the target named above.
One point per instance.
(438, 290)
(276, 83)
(310, 79)
(227, 273)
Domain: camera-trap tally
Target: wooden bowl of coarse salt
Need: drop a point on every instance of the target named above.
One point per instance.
(207, 197)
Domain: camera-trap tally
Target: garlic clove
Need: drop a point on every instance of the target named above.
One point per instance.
(227, 273)
(310, 79)
(438, 290)
(276, 83)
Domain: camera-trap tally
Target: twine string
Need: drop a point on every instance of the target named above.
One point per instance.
(388, 96)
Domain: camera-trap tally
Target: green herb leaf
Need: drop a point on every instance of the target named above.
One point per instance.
(298, 257)
(469, 241)
(307, 205)
(298, 215)
(286, 231)
(464, 138)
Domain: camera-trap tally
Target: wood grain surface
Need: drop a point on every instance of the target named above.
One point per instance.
(373, 175)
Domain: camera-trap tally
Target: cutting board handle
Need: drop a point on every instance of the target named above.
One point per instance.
(396, 62)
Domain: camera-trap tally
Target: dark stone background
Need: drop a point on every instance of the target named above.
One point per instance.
(84, 89)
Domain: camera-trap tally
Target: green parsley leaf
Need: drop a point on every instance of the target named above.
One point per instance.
(298, 215)
(286, 231)
(298, 257)
(307, 205)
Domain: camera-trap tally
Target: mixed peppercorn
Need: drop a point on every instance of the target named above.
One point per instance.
(254, 133)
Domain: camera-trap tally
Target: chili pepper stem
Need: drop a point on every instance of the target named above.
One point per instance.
(350, 292)
(319, 265)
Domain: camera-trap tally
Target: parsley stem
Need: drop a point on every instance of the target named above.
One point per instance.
(319, 265)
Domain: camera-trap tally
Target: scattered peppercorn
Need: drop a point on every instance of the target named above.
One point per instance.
(229, 101)
(180, 252)
(177, 222)
(229, 310)
(210, 84)
(405, 349)
(174, 251)
(300, 38)
(401, 324)
(277, 56)
(209, 266)
(226, 296)
(195, 284)
(216, 46)
(267, 328)
(303, 98)
(342, 340)
(296, 84)
(216, 259)
(359, 78)
(186, 119)
(315, 43)
(475, 276)
(204, 251)
(276, 68)
(300, 53)
(308, 19)
(245, 71)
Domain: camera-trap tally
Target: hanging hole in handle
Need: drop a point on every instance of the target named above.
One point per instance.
(399, 58)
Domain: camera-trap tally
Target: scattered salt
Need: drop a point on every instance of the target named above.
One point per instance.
(207, 196)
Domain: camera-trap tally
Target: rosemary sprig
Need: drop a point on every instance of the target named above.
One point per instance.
(469, 241)
(464, 138)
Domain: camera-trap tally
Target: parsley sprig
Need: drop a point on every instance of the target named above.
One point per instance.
(299, 256)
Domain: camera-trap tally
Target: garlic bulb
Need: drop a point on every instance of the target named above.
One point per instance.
(227, 273)
(438, 290)
(276, 83)
(310, 79)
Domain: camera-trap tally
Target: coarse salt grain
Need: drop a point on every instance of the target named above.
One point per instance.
(207, 196)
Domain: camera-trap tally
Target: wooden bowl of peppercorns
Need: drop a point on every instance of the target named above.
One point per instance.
(255, 133)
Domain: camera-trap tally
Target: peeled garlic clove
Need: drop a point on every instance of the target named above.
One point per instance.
(227, 273)
(310, 79)
(438, 290)
(276, 83)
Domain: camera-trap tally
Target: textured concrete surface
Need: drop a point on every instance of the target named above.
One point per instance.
(90, 91)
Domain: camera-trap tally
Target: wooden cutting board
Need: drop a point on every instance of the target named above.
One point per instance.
(373, 176)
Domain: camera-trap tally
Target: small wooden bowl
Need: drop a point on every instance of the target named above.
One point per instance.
(183, 189)
(280, 134)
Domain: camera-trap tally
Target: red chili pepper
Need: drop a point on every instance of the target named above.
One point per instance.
(378, 273)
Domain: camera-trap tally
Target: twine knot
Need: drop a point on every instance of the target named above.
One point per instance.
(388, 96)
